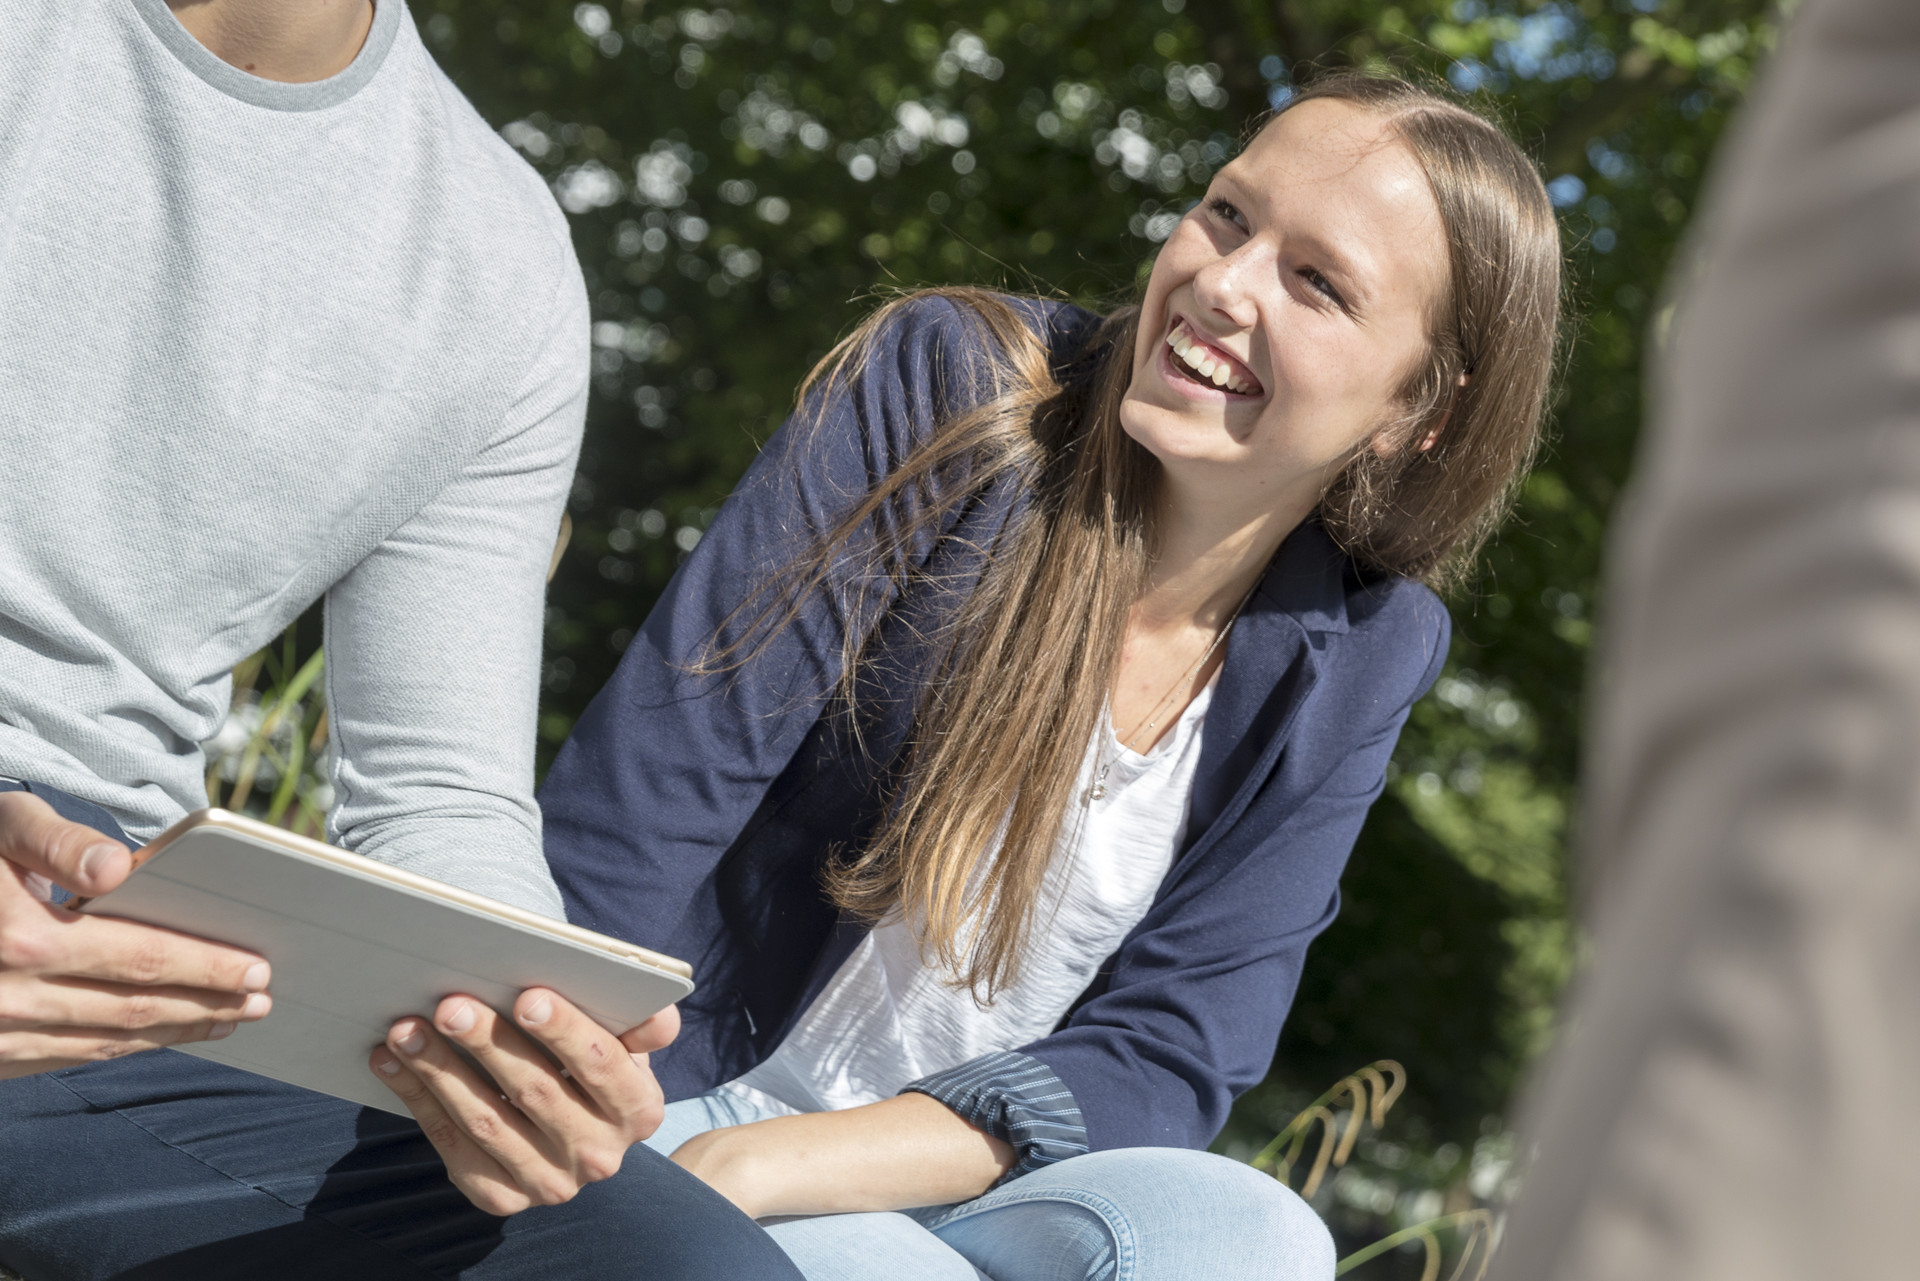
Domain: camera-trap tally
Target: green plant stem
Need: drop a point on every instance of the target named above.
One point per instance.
(289, 784)
(1428, 1229)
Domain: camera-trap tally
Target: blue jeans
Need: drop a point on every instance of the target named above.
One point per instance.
(161, 1166)
(1135, 1214)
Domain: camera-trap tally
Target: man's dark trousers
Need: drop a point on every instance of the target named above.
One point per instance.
(161, 1166)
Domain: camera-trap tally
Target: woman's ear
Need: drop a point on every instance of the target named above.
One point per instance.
(1388, 444)
(1386, 448)
(1391, 443)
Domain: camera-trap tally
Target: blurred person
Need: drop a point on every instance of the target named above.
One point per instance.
(1735, 1095)
(280, 316)
(998, 749)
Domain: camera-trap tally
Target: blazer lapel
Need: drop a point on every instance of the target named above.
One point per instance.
(1271, 667)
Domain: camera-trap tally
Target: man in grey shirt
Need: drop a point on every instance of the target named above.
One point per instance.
(280, 316)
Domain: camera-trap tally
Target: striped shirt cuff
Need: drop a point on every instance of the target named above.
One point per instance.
(1017, 1099)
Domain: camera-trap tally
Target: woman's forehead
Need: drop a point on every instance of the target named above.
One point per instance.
(1340, 174)
(1346, 150)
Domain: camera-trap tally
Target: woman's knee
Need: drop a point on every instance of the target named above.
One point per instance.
(1142, 1214)
(689, 1117)
(868, 1247)
(1181, 1205)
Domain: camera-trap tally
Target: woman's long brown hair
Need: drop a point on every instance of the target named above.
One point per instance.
(1025, 662)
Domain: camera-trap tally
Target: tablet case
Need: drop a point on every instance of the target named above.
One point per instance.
(356, 944)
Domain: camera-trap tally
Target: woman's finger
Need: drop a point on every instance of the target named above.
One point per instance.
(481, 1178)
(476, 1107)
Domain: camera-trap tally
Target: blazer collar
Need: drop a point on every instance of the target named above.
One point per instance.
(1307, 580)
(1270, 668)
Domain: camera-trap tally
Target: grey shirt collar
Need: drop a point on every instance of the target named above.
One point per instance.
(273, 94)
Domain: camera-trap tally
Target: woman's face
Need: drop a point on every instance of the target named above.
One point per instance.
(1287, 310)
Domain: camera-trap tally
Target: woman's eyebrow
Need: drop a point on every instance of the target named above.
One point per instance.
(1347, 274)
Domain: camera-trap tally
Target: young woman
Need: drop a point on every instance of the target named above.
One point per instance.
(995, 756)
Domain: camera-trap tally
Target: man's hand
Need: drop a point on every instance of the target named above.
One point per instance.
(78, 988)
(523, 1130)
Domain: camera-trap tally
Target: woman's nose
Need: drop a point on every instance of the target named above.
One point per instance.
(1224, 286)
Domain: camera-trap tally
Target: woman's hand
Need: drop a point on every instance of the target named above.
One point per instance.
(902, 1152)
(523, 1132)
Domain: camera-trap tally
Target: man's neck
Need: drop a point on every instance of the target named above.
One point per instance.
(297, 41)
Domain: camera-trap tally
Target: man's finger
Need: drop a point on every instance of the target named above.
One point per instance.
(35, 838)
(86, 1003)
(483, 1180)
(476, 1106)
(50, 941)
(28, 1053)
(656, 1033)
(586, 1139)
(596, 1061)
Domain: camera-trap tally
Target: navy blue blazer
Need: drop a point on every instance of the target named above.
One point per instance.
(692, 814)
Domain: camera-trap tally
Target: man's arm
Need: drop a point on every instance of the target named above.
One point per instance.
(433, 668)
(433, 648)
(75, 988)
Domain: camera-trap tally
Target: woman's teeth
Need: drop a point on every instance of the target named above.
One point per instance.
(1198, 358)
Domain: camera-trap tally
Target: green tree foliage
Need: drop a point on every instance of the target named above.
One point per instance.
(742, 179)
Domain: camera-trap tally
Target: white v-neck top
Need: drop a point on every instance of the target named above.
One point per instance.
(887, 1018)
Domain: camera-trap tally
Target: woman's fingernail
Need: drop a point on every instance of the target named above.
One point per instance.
(538, 1011)
(388, 1067)
(256, 977)
(412, 1041)
(221, 1031)
(256, 1006)
(461, 1020)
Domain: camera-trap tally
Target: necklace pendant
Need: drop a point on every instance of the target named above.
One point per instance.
(1097, 792)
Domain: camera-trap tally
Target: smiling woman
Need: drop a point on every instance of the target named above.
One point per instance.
(1369, 294)
(1369, 228)
(1046, 665)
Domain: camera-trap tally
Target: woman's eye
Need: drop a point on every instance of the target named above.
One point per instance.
(1324, 286)
(1226, 212)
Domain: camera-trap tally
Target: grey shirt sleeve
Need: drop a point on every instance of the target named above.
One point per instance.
(433, 646)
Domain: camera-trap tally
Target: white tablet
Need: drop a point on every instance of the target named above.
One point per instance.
(356, 944)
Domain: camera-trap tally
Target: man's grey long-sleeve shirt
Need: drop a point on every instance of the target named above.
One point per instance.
(261, 342)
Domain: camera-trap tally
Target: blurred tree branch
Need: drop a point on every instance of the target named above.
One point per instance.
(1235, 31)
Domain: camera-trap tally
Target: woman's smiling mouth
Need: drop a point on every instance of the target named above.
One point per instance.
(1207, 365)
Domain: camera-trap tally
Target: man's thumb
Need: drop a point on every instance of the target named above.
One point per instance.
(41, 843)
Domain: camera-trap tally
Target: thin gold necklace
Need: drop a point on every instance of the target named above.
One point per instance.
(1099, 788)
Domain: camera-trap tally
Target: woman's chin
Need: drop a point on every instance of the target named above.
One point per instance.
(1178, 435)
